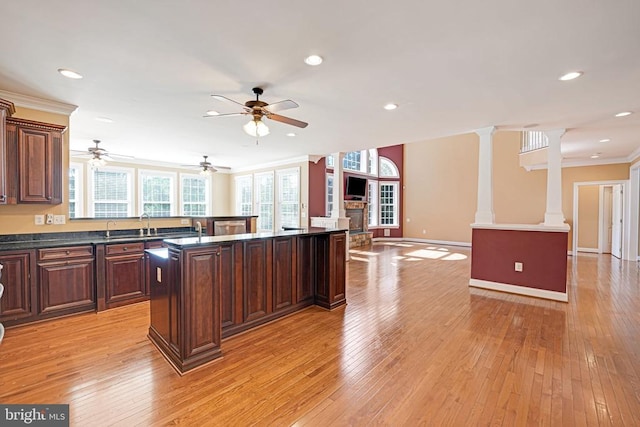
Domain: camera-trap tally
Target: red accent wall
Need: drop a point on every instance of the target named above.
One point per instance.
(542, 253)
(394, 153)
(317, 188)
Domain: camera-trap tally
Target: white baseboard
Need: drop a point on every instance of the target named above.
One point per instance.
(520, 290)
(427, 241)
(589, 250)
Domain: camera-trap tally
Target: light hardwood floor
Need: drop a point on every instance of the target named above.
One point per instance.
(414, 346)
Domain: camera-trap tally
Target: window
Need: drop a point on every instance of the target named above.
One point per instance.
(288, 198)
(373, 203)
(156, 193)
(372, 162)
(264, 201)
(75, 190)
(194, 191)
(388, 168)
(329, 161)
(352, 161)
(111, 192)
(244, 195)
(329, 202)
(389, 201)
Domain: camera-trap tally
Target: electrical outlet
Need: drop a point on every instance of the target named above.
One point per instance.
(59, 219)
(387, 232)
(39, 219)
(49, 218)
(518, 266)
(185, 221)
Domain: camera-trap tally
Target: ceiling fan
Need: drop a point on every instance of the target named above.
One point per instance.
(206, 167)
(98, 156)
(259, 109)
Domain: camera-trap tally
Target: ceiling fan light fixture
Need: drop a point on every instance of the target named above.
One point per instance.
(206, 172)
(96, 162)
(313, 60)
(256, 128)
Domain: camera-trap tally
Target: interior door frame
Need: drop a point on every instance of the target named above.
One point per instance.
(602, 214)
(633, 211)
(627, 239)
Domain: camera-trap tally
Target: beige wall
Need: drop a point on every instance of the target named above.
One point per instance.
(441, 186)
(304, 187)
(588, 208)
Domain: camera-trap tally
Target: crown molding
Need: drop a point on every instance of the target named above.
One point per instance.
(276, 163)
(579, 163)
(40, 104)
(634, 155)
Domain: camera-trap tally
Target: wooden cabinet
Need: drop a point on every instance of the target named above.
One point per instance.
(257, 296)
(17, 275)
(124, 272)
(34, 162)
(284, 272)
(6, 110)
(305, 257)
(330, 270)
(231, 286)
(65, 280)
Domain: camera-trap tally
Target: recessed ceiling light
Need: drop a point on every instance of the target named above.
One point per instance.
(624, 113)
(572, 75)
(69, 73)
(212, 113)
(291, 134)
(104, 119)
(605, 140)
(313, 60)
(595, 156)
(390, 106)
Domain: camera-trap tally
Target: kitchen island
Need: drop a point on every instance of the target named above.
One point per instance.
(209, 288)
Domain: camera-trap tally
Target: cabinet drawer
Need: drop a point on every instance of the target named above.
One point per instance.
(67, 252)
(124, 248)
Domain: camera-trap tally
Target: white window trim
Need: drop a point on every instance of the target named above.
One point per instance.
(79, 168)
(327, 200)
(91, 184)
(278, 196)
(396, 206)
(374, 183)
(256, 198)
(392, 164)
(364, 162)
(172, 194)
(207, 197)
(237, 194)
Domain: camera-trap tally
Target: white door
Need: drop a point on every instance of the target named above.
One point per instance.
(606, 219)
(616, 228)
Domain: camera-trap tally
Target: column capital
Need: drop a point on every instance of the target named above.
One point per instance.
(488, 131)
(554, 133)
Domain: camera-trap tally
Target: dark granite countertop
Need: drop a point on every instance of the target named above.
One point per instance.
(52, 240)
(214, 240)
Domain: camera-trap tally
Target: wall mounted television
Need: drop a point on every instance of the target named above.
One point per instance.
(356, 187)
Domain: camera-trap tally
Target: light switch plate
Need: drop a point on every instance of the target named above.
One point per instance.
(518, 266)
(59, 219)
(39, 220)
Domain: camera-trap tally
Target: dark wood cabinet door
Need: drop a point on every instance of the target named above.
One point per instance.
(284, 272)
(66, 286)
(201, 289)
(337, 268)
(306, 268)
(257, 279)
(125, 281)
(16, 278)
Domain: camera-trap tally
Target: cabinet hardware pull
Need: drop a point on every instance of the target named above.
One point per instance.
(48, 197)
(67, 252)
(124, 249)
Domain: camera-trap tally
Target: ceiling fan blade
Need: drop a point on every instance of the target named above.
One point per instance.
(226, 114)
(287, 120)
(281, 105)
(224, 98)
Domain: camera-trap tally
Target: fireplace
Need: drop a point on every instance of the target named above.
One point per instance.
(358, 214)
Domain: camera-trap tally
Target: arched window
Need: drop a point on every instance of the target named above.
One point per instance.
(388, 169)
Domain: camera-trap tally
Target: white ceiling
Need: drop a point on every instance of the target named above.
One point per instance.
(452, 66)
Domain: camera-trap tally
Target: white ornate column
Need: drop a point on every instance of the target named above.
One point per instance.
(484, 212)
(338, 210)
(553, 215)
